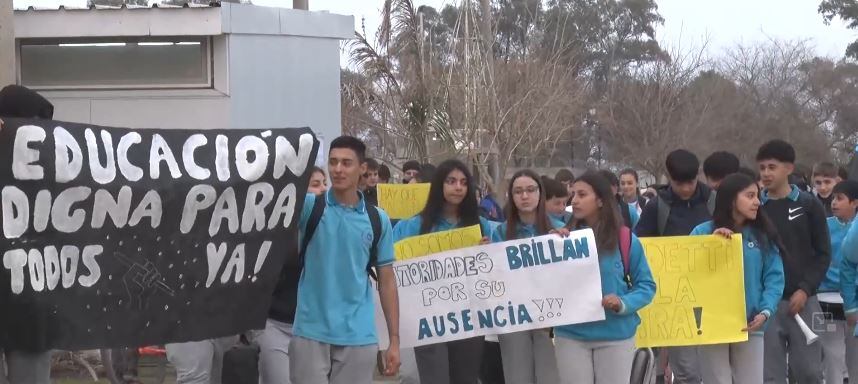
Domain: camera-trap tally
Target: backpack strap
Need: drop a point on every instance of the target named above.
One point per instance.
(710, 202)
(375, 222)
(626, 212)
(625, 254)
(663, 214)
(312, 224)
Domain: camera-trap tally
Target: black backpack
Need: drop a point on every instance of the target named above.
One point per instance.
(286, 291)
(316, 217)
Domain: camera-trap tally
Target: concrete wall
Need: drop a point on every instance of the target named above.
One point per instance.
(199, 109)
(291, 81)
(272, 68)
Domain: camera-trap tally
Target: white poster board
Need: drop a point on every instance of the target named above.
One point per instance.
(496, 289)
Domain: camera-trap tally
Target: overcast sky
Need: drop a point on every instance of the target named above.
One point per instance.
(723, 22)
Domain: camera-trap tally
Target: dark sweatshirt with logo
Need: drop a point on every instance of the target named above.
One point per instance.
(802, 225)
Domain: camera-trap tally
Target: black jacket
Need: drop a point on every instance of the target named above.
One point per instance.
(826, 204)
(802, 226)
(371, 196)
(684, 214)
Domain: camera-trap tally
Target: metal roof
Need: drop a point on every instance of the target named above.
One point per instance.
(123, 6)
(189, 19)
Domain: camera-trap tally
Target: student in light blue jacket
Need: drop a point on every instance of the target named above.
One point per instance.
(843, 199)
(601, 352)
(846, 199)
(452, 204)
(527, 355)
(737, 210)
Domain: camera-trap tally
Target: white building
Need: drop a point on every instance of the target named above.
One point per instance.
(228, 66)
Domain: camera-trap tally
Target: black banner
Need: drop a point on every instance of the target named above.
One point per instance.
(121, 237)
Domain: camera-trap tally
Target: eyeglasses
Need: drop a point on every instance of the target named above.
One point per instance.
(452, 181)
(529, 190)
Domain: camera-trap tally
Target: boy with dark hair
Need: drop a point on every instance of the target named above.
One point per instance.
(410, 171)
(567, 178)
(824, 178)
(848, 281)
(685, 202)
(24, 367)
(837, 337)
(718, 166)
(383, 174)
(675, 211)
(752, 174)
(331, 308)
(555, 199)
(842, 174)
(801, 223)
(370, 192)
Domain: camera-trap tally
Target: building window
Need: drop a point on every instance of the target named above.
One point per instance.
(121, 63)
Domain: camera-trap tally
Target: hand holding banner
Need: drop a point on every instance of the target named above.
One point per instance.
(402, 201)
(700, 296)
(123, 237)
(497, 288)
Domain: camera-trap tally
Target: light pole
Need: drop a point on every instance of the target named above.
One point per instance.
(7, 44)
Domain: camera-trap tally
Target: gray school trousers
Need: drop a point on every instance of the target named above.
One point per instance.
(528, 357)
(734, 363)
(199, 362)
(684, 363)
(852, 353)
(312, 362)
(595, 362)
(25, 367)
(783, 336)
(839, 349)
(274, 352)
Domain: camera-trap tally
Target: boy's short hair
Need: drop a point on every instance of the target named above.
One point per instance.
(564, 176)
(553, 188)
(720, 165)
(383, 172)
(848, 188)
(777, 150)
(749, 172)
(611, 177)
(825, 169)
(411, 165)
(843, 173)
(682, 165)
(371, 164)
(350, 142)
(22, 102)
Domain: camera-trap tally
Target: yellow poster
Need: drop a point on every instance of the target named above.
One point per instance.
(437, 242)
(402, 201)
(700, 296)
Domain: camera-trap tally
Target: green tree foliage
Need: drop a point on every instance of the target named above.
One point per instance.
(846, 10)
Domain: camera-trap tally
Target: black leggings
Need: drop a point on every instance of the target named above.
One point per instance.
(454, 362)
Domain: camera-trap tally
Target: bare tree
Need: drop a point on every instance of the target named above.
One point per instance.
(654, 110)
(773, 77)
(509, 113)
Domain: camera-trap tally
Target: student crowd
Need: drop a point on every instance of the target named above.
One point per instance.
(800, 252)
